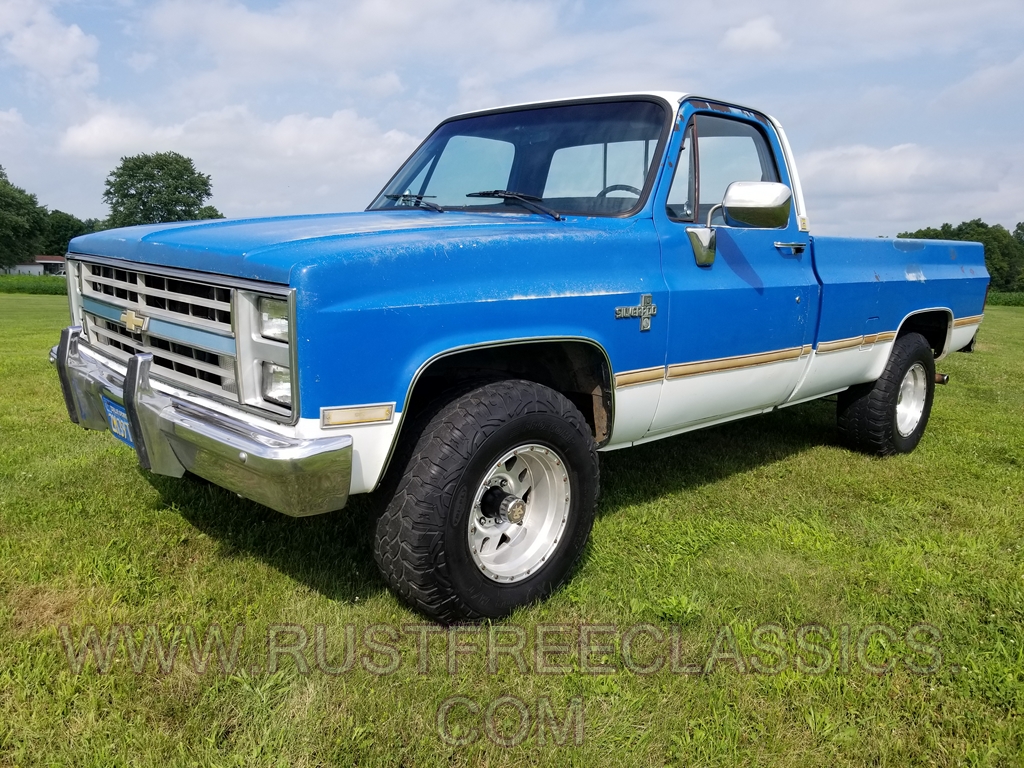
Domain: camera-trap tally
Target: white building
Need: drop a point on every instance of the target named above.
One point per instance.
(40, 265)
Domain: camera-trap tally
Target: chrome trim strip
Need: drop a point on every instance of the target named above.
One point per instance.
(679, 370)
(949, 325)
(210, 278)
(488, 345)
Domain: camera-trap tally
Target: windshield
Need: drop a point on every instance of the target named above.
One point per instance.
(590, 159)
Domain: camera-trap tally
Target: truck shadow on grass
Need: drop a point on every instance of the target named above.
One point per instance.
(694, 459)
(333, 554)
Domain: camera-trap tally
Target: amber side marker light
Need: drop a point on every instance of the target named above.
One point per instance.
(363, 414)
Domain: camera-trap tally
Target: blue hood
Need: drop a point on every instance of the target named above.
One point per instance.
(261, 249)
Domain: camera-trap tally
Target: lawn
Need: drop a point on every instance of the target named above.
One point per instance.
(810, 606)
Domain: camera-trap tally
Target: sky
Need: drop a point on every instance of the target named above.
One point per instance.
(902, 113)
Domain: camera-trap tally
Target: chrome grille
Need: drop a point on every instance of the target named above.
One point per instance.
(187, 304)
(171, 298)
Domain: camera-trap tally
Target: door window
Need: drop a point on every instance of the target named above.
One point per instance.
(726, 151)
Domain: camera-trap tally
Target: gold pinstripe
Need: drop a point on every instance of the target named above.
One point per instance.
(731, 363)
(642, 376)
(962, 321)
(679, 370)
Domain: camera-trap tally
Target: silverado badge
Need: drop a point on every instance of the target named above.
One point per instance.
(645, 311)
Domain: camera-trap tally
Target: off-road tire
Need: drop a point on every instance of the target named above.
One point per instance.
(866, 413)
(422, 546)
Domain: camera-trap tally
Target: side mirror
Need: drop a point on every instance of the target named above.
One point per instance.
(760, 204)
(750, 204)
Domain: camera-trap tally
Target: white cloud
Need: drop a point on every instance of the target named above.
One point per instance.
(289, 165)
(864, 170)
(756, 36)
(1001, 81)
(140, 61)
(11, 122)
(32, 37)
(870, 190)
(855, 81)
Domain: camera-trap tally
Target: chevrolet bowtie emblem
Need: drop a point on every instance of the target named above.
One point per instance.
(134, 323)
(645, 312)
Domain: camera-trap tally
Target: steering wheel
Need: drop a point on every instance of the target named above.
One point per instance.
(619, 188)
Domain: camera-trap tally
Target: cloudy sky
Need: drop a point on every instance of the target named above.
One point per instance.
(902, 113)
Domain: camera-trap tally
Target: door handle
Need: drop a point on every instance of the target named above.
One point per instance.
(795, 248)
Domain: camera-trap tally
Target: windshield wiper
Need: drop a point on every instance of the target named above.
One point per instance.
(417, 201)
(528, 201)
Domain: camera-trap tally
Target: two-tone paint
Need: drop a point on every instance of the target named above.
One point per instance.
(780, 317)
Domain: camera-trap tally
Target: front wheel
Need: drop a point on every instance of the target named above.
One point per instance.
(495, 505)
(889, 416)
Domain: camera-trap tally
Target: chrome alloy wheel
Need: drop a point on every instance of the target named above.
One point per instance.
(519, 513)
(912, 397)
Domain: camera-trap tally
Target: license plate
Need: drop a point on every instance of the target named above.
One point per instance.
(117, 418)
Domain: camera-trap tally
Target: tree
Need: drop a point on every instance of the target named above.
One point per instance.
(152, 189)
(209, 212)
(22, 223)
(1004, 252)
(60, 229)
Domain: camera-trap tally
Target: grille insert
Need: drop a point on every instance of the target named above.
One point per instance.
(185, 303)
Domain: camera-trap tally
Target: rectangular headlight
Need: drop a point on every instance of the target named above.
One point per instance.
(277, 384)
(273, 319)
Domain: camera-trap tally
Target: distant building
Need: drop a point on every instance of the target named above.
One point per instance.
(40, 265)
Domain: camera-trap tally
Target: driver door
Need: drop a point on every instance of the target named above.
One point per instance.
(740, 328)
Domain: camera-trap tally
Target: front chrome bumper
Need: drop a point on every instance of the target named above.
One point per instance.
(298, 477)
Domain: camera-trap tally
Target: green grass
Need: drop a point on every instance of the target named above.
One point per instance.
(766, 521)
(39, 284)
(998, 299)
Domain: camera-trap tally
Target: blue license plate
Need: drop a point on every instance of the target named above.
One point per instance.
(117, 418)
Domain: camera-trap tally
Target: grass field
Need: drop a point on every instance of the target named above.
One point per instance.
(39, 284)
(756, 534)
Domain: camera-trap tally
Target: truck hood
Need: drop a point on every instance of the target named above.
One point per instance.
(270, 249)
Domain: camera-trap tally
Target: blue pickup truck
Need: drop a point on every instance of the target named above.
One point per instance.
(535, 284)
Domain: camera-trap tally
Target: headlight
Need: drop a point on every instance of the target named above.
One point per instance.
(277, 384)
(274, 319)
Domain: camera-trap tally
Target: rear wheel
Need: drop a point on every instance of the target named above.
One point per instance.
(495, 504)
(889, 416)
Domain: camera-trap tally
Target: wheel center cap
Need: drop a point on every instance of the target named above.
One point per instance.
(500, 505)
(515, 510)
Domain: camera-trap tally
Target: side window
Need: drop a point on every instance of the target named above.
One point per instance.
(728, 151)
(469, 163)
(682, 196)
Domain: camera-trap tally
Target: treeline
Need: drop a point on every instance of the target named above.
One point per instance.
(28, 229)
(143, 189)
(1004, 250)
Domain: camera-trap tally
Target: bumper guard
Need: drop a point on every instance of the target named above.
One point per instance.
(298, 477)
